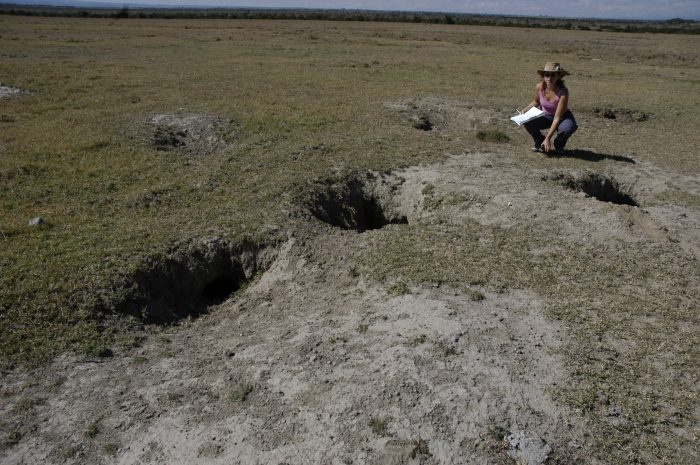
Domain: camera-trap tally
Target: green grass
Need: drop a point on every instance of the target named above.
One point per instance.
(239, 393)
(398, 288)
(492, 135)
(379, 426)
(92, 430)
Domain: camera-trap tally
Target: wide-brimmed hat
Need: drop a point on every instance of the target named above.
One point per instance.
(550, 67)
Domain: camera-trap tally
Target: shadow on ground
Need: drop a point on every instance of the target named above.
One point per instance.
(588, 155)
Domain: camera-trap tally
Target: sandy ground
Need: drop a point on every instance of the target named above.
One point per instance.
(314, 363)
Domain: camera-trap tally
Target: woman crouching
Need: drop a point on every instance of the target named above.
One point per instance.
(552, 97)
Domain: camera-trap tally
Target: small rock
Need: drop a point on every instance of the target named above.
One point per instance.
(38, 221)
(527, 450)
(229, 352)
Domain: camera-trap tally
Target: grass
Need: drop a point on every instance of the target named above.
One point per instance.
(110, 449)
(492, 135)
(76, 152)
(379, 426)
(92, 430)
(398, 288)
(417, 340)
(420, 447)
(239, 393)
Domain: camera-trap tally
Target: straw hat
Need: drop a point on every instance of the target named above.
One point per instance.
(550, 67)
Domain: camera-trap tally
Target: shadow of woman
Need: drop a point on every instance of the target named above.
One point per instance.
(587, 155)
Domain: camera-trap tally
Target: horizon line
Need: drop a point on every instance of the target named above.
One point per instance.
(138, 5)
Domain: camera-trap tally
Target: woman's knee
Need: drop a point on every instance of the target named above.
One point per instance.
(568, 126)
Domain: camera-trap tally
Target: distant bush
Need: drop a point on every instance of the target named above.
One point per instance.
(671, 26)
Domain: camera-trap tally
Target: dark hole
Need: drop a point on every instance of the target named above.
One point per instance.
(219, 290)
(602, 188)
(423, 123)
(166, 139)
(352, 208)
(185, 285)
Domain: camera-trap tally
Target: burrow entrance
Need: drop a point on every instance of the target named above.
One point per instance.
(422, 122)
(623, 114)
(357, 203)
(603, 188)
(191, 280)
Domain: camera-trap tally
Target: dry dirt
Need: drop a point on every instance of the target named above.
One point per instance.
(314, 363)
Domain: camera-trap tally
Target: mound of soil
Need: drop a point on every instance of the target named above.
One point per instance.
(195, 134)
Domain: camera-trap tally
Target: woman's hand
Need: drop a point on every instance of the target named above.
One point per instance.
(548, 145)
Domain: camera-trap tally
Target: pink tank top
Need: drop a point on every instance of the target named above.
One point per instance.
(550, 107)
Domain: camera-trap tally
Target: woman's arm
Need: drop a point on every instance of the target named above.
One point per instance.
(562, 106)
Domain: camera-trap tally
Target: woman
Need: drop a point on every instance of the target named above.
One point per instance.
(552, 97)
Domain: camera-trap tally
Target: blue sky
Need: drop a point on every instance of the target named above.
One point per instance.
(625, 9)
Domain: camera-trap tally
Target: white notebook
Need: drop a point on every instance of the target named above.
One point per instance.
(531, 114)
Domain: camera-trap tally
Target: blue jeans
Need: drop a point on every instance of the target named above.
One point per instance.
(567, 126)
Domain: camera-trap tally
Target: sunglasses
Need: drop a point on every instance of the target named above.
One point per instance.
(550, 74)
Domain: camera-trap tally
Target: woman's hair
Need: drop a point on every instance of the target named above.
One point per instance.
(543, 83)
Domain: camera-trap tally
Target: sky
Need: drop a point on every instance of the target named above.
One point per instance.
(620, 9)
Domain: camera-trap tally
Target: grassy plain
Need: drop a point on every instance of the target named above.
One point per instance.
(307, 101)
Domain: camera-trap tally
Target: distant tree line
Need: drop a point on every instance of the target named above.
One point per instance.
(671, 26)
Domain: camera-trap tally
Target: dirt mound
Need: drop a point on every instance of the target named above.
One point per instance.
(441, 114)
(195, 134)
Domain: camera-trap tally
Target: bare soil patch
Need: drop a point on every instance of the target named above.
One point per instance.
(339, 370)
